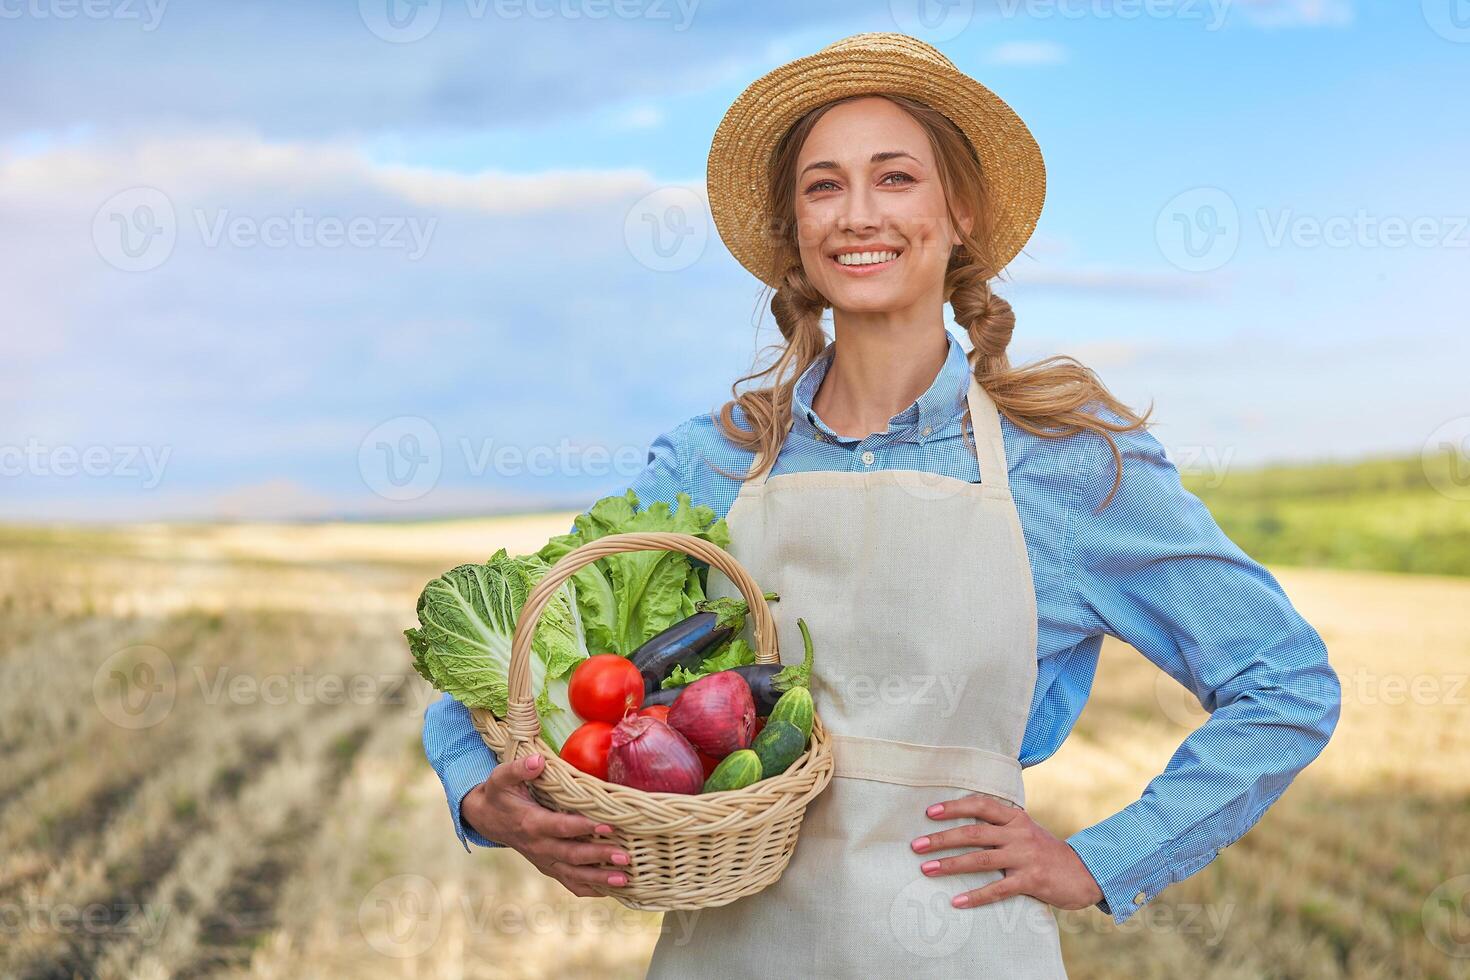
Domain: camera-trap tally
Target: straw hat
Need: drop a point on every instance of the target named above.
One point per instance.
(739, 158)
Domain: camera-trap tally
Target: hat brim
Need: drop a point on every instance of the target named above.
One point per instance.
(740, 154)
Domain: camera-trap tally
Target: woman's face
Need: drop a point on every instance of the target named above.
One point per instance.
(871, 222)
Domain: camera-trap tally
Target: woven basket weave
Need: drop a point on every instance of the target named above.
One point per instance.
(685, 851)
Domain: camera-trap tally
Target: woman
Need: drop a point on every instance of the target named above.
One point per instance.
(960, 535)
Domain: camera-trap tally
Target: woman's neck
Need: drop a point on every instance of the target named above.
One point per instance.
(877, 372)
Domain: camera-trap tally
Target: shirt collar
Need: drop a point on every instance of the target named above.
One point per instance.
(921, 421)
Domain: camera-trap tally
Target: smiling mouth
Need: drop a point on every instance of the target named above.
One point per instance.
(859, 262)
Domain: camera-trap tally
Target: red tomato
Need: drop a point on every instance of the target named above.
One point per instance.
(659, 711)
(708, 762)
(587, 748)
(605, 687)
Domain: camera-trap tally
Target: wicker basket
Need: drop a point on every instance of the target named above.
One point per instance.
(685, 851)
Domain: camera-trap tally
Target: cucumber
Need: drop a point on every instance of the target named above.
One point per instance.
(795, 706)
(736, 771)
(778, 745)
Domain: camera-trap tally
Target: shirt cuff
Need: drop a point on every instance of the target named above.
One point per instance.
(459, 776)
(1130, 867)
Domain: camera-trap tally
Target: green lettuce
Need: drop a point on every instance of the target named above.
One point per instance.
(467, 617)
(625, 599)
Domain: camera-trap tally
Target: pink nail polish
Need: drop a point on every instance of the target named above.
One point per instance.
(921, 843)
(619, 858)
(935, 810)
(603, 828)
(929, 867)
(617, 879)
(960, 901)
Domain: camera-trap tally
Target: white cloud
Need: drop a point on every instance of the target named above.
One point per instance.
(205, 165)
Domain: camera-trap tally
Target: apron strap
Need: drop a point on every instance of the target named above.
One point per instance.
(990, 447)
(756, 482)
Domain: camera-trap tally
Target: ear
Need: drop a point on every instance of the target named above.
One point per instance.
(966, 221)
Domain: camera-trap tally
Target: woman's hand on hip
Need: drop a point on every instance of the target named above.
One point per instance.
(1033, 861)
(501, 809)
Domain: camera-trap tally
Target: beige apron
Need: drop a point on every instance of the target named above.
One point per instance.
(918, 592)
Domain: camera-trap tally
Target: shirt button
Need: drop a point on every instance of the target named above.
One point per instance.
(821, 437)
(1140, 898)
(928, 430)
(868, 457)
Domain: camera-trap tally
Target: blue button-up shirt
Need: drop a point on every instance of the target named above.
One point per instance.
(1152, 568)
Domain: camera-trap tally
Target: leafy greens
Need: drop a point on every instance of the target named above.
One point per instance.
(467, 616)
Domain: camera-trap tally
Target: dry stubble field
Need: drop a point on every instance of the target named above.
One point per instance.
(212, 767)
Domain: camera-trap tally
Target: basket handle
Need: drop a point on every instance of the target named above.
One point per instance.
(521, 717)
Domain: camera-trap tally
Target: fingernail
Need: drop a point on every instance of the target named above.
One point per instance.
(929, 867)
(603, 828)
(619, 857)
(920, 844)
(935, 810)
(960, 901)
(617, 879)
(534, 760)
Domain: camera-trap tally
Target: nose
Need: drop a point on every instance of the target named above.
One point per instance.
(859, 214)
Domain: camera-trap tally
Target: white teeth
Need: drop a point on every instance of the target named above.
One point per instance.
(865, 258)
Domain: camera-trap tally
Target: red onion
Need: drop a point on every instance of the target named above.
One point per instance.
(716, 713)
(649, 755)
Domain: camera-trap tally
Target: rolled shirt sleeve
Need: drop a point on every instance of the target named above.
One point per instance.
(1155, 570)
(459, 756)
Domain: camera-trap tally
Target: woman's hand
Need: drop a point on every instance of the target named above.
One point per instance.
(1033, 861)
(501, 809)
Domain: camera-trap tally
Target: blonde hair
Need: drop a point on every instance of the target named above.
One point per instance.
(1046, 398)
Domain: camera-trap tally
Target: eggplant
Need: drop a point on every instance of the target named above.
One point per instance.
(767, 681)
(664, 695)
(688, 641)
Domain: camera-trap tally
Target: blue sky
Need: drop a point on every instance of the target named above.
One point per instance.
(256, 253)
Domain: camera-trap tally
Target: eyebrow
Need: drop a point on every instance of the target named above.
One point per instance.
(879, 157)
